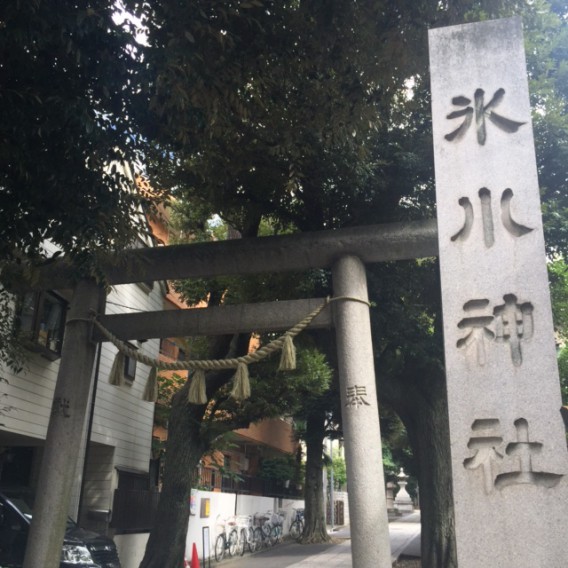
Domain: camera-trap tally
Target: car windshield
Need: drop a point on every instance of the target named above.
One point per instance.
(22, 506)
(24, 503)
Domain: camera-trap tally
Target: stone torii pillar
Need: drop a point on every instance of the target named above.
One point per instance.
(370, 542)
(65, 431)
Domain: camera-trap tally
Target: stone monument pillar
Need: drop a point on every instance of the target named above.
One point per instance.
(509, 458)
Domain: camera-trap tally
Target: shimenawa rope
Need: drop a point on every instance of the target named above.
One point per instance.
(197, 395)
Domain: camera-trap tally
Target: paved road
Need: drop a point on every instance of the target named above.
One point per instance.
(404, 536)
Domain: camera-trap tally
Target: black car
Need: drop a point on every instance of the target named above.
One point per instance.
(81, 548)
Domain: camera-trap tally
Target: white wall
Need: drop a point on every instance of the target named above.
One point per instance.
(131, 547)
(223, 505)
(29, 397)
(98, 487)
(122, 419)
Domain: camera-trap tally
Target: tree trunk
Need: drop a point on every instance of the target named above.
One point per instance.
(187, 441)
(421, 403)
(315, 529)
(184, 448)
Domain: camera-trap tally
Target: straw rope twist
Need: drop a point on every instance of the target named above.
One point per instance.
(219, 364)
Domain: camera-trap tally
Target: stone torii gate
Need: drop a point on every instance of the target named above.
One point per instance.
(345, 252)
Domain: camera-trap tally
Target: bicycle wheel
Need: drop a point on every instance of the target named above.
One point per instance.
(242, 541)
(233, 542)
(277, 531)
(220, 547)
(258, 538)
(296, 529)
(273, 537)
(266, 528)
(251, 541)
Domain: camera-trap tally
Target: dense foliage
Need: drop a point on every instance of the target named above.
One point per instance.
(558, 275)
(66, 127)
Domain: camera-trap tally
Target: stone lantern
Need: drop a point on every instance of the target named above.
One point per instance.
(403, 502)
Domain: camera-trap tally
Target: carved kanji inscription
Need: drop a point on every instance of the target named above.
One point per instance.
(356, 396)
(511, 322)
(485, 441)
(514, 228)
(479, 112)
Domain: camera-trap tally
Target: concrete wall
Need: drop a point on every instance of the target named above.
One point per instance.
(221, 506)
(224, 505)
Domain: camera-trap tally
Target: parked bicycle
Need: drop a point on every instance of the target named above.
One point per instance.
(227, 541)
(277, 522)
(265, 533)
(245, 529)
(297, 524)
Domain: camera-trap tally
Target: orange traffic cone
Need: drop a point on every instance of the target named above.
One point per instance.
(194, 557)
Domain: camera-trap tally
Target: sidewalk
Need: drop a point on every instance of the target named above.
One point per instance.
(404, 539)
(405, 536)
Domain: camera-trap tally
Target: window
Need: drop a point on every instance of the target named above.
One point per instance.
(130, 366)
(42, 322)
